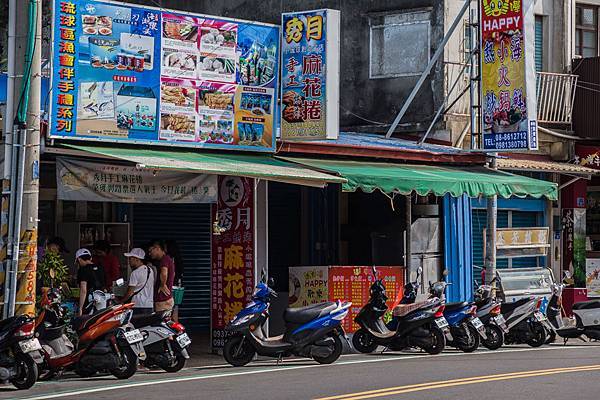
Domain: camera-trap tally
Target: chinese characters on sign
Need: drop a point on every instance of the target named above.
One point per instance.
(312, 285)
(310, 75)
(508, 113)
(128, 73)
(88, 181)
(522, 242)
(232, 276)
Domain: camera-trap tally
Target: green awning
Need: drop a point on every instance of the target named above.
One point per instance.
(426, 179)
(259, 166)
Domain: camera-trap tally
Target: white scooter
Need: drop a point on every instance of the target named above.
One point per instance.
(165, 340)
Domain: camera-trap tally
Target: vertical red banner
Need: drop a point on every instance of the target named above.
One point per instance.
(232, 274)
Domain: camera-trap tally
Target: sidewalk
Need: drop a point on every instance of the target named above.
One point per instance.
(200, 356)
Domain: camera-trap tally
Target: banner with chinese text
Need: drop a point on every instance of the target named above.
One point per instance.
(232, 274)
(130, 73)
(310, 75)
(88, 181)
(312, 285)
(508, 76)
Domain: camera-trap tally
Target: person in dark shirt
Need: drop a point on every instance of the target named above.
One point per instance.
(163, 298)
(90, 277)
(110, 263)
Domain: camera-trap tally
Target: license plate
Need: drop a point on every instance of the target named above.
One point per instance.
(500, 320)
(441, 322)
(477, 323)
(134, 336)
(183, 340)
(539, 316)
(28, 346)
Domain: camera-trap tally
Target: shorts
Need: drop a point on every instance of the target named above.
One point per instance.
(166, 305)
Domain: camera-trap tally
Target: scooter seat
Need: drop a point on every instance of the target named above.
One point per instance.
(6, 322)
(586, 305)
(80, 323)
(455, 306)
(402, 310)
(146, 320)
(483, 302)
(303, 315)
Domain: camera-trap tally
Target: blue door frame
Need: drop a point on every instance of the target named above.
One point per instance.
(458, 251)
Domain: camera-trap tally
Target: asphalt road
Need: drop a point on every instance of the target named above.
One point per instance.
(551, 372)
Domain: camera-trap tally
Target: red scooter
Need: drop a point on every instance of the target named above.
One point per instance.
(107, 342)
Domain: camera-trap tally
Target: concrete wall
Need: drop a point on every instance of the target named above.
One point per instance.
(362, 98)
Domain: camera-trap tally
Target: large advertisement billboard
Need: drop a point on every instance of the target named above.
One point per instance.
(129, 73)
(507, 76)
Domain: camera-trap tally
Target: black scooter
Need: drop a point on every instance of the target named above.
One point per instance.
(19, 352)
(413, 324)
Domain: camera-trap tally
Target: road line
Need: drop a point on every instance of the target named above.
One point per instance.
(283, 368)
(459, 382)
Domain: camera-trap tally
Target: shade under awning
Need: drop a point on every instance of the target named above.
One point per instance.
(426, 179)
(257, 166)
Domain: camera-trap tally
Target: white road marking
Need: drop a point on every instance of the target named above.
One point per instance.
(283, 368)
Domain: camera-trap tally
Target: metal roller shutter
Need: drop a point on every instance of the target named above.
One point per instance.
(522, 219)
(539, 43)
(479, 222)
(189, 225)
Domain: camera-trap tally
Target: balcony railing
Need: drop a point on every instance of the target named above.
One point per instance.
(555, 97)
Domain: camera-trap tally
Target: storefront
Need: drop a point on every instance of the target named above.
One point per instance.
(217, 219)
(425, 210)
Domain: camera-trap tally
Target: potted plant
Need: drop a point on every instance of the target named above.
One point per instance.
(51, 270)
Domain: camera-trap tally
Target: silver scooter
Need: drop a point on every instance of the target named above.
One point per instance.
(165, 341)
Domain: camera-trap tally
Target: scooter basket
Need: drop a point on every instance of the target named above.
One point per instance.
(178, 295)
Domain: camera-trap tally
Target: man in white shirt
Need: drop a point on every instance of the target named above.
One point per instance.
(141, 283)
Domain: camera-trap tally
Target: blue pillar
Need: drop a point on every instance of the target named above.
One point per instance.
(458, 252)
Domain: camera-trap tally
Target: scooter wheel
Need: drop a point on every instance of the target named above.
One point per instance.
(472, 340)
(177, 365)
(27, 372)
(551, 338)
(238, 351)
(363, 341)
(495, 337)
(129, 366)
(335, 354)
(439, 342)
(538, 335)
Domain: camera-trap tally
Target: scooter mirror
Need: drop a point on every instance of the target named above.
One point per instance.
(374, 271)
(568, 274)
(445, 273)
(271, 283)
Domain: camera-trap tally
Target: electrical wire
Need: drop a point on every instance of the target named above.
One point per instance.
(23, 104)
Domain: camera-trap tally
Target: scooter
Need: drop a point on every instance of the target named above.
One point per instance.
(490, 313)
(19, 352)
(526, 324)
(465, 327)
(165, 341)
(413, 324)
(107, 342)
(314, 331)
(587, 318)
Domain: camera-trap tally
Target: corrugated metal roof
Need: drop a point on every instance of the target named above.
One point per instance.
(544, 166)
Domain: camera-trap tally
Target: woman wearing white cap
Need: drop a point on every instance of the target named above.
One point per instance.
(141, 283)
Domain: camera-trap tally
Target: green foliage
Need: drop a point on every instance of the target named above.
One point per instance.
(51, 270)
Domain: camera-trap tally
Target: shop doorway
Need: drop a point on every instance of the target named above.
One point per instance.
(189, 225)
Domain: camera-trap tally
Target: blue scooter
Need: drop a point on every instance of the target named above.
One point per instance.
(465, 327)
(314, 331)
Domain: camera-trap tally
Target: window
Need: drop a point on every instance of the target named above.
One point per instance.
(400, 44)
(586, 31)
(539, 43)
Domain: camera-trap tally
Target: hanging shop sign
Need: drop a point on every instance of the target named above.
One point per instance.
(508, 75)
(592, 277)
(310, 75)
(587, 156)
(87, 181)
(522, 242)
(232, 273)
(125, 73)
